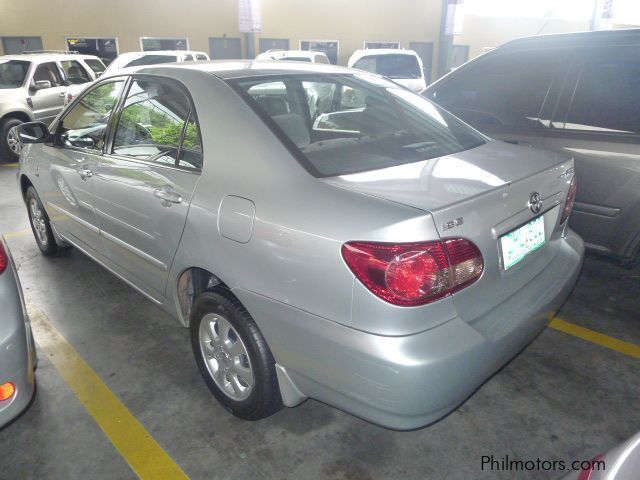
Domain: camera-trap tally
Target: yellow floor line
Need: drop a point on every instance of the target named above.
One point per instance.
(19, 233)
(9, 164)
(145, 456)
(598, 338)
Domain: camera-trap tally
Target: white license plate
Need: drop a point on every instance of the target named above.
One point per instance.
(520, 242)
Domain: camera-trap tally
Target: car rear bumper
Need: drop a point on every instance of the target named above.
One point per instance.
(410, 381)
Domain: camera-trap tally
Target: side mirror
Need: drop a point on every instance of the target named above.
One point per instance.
(41, 85)
(32, 132)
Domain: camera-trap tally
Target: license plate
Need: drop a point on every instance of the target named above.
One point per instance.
(520, 242)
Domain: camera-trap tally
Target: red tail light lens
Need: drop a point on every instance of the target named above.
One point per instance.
(7, 390)
(411, 274)
(4, 258)
(571, 200)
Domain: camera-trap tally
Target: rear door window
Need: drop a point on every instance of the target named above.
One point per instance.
(503, 90)
(96, 65)
(606, 94)
(75, 72)
(158, 123)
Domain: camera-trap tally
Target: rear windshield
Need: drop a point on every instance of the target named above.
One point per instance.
(152, 60)
(342, 124)
(13, 73)
(392, 66)
(297, 59)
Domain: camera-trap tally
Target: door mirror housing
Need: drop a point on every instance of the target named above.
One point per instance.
(33, 132)
(41, 85)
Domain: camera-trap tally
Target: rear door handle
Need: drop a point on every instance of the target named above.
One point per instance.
(85, 173)
(62, 94)
(167, 195)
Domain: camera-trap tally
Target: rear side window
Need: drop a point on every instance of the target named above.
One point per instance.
(200, 56)
(96, 65)
(188, 58)
(158, 124)
(392, 66)
(606, 96)
(76, 74)
(152, 60)
(341, 124)
(85, 124)
(501, 90)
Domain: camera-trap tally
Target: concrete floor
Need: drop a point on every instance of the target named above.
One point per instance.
(561, 399)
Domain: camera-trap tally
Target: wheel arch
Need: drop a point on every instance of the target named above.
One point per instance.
(21, 115)
(192, 282)
(24, 184)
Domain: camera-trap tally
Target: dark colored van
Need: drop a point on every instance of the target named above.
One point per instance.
(577, 94)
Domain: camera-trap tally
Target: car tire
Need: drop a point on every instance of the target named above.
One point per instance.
(9, 153)
(40, 224)
(233, 356)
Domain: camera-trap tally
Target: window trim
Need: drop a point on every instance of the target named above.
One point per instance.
(60, 120)
(115, 120)
(163, 38)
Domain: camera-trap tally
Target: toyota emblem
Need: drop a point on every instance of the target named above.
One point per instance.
(535, 202)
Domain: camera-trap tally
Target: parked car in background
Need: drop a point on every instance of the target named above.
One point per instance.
(294, 56)
(402, 66)
(35, 86)
(135, 59)
(17, 349)
(383, 258)
(576, 94)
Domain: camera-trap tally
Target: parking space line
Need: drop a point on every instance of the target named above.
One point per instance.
(136, 445)
(19, 233)
(598, 338)
(9, 164)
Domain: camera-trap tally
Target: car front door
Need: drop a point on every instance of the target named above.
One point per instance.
(597, 122)
(502, 94)
(48, 94)
(144, 185)
(67, 168)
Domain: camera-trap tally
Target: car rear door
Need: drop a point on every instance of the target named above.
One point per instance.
(47, 102)
(597, 122)
(67, 168)
(145, 183)
(502, 94)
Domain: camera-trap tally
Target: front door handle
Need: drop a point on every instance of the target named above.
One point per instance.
(167, 195)
(85, 173)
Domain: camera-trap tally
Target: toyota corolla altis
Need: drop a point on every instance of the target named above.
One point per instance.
(324, 232)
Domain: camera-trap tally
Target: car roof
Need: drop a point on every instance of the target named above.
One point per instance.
(578, 39)
(227, 69)
(43, 57)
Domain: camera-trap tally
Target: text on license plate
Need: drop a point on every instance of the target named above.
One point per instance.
(520, 242)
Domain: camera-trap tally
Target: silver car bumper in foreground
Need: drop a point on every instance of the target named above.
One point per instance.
(410, 381)
(17, 352)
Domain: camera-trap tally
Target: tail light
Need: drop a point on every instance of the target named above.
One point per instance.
(588, 473)
(571, 200)
(4, 258)
(411, 274)
(7, 390)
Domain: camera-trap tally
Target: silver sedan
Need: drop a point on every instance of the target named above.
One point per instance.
(368, 250)
(17, 352)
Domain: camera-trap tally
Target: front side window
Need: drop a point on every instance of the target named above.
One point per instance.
(96, 65)
(76, 74)
(48, 72)
(158, 124)
(341, 124)
(606, 97)
(502, 90)
(84, 126)
(392, 66)
(13, 73)
(322, 59)
(201, 56)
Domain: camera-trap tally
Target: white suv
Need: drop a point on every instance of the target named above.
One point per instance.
(36, 86)
(402, 66)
